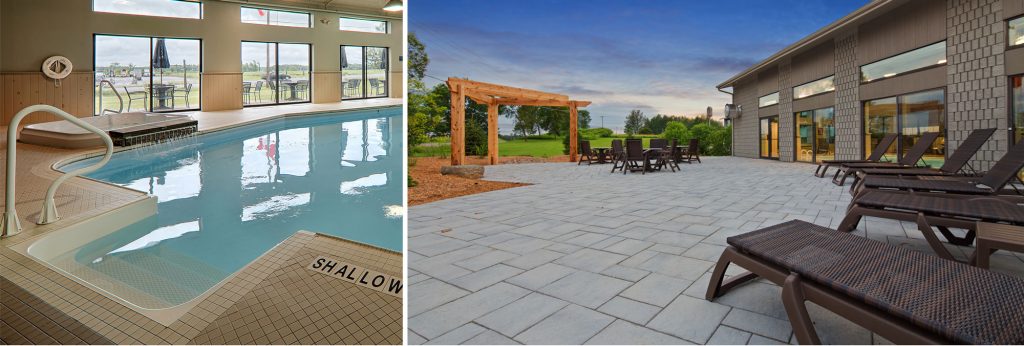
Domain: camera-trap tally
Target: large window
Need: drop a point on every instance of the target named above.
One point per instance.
(364, 72)
(1016, 32)
(274, 73)
(1017, 102)
(768, 100)
(908, 116)
(252, 15)
(159, 8)
(815, 135)
(927, 56)
(769, 133)
(363, 25)
(148, 73)
(809, 89)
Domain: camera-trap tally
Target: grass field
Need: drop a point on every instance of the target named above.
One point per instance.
(531, 147)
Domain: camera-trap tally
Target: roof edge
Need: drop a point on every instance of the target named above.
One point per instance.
(815, 37)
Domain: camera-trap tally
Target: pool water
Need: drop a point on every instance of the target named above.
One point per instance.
(227, 197)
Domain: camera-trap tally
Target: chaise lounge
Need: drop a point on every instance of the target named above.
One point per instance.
(876, 156)
(953, 166)
(906, 296)
(909, 159)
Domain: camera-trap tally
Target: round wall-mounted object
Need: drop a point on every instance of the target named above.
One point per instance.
(57, 67)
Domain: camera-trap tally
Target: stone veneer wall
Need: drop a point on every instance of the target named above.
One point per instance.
(786, 126)
(976, 81)
(847, 108)
(745, 129)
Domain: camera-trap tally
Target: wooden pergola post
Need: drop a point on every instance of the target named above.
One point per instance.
(492, 132)
(458, 121)
(573, 124)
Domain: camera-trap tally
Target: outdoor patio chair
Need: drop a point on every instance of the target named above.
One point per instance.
(954, 165)
(133, 96)
(258, 91)
(876, 156)
(246, 92)
(585, 152)
(184, 93)
(992, 183)
(618, 155)
(302, 89)
(634, 159)
(909, 159)
(658, 161)
(939, 211)
(905, 296)
(692, 151)
(352, 85)
(670, 156)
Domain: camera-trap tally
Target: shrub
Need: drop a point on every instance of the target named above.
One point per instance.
(412, 182)
(580, 136)
(676, 130)
(598, 132)
(476, 139)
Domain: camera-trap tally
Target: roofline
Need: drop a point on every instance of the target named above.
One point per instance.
(816, 37)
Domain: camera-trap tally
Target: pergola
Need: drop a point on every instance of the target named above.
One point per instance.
(494, 95)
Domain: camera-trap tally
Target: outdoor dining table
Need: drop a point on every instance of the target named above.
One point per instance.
(648, 154)
(161, 94)
(291, 87)
(602, 154)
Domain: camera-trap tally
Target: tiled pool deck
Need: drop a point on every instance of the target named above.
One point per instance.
(275, 299)
(585, 256)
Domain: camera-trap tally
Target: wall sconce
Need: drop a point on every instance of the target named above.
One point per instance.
(325, 21)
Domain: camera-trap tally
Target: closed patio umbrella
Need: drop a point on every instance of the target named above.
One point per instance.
(160, 58)
(344, 59)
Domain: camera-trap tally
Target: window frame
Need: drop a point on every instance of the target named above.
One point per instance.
(1008, 45)
(202, 11)
(899, 120)
(778, 126)
(860, 69)
(387, 25)
(833, 77)
(814, 124)
(309, 17)
(1011, 124)
(766, 95)
(365, 75)
(199, 90)
(277, 72)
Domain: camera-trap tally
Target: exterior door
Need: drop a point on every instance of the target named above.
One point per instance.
(769, 133)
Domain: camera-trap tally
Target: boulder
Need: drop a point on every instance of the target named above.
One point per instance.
(465, 171)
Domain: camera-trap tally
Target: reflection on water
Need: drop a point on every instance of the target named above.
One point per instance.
(229, 197)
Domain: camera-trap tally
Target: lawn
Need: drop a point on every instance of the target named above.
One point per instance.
(537, 147)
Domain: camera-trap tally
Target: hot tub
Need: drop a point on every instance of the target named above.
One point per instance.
(64, 134)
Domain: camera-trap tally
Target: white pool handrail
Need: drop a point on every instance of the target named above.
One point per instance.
(11, 225)
(120, 101)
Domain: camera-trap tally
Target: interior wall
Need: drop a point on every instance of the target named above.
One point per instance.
(71, 24)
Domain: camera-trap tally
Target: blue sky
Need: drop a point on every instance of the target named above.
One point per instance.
(659, 56)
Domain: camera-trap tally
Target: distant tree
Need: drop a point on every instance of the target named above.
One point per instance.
(634, 122)
(676, 130)
(658, 122)
(418, 58)
(584, 119)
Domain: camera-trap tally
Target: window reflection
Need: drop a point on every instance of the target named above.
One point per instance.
(768, 100)
(1016, 32)
(931, 55)
(815, 135)
(908, 116)
(823, 85)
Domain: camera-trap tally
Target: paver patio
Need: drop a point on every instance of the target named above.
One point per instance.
(585, 256)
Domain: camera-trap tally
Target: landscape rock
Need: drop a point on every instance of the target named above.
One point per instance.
(465, 171)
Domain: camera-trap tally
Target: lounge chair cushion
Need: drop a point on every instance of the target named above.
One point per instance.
(965, 304)
(985, 208)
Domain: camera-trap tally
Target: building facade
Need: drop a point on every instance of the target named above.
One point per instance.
(904, 67)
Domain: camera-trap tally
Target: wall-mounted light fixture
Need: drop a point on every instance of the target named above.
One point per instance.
(394, 6)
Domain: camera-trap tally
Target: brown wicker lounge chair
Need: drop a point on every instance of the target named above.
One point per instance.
(909, 159)
(954, 165)
(634, 157)
(992, 183)
(876, 156)
(930, 210)
(618, 155)
(585, 152)
(906, 296)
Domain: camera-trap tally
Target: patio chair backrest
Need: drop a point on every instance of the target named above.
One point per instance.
(917, 151)
(616, 146)
(659, 143)
(966, 150)
(676, 150)
(1006, 168)
(882, 147)
(634, 149)
(259, 85)
(585, 147)
(694, 147)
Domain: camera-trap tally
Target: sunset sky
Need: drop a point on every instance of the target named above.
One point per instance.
(657, 56)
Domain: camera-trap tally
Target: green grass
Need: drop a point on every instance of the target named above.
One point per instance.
(537, 147)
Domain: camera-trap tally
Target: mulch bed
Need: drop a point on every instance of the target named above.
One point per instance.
(434, 187)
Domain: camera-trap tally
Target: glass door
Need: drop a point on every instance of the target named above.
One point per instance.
(815, 135)
(154, 74)
(770, 137)
(364, 72)
(276, 73)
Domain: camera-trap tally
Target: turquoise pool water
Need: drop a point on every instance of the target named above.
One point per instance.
(227, 197)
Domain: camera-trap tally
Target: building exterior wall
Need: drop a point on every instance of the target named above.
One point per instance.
(975, 76)
(745, 127)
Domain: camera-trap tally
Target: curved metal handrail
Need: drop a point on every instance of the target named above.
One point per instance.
(120, 101)
(11, 225)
